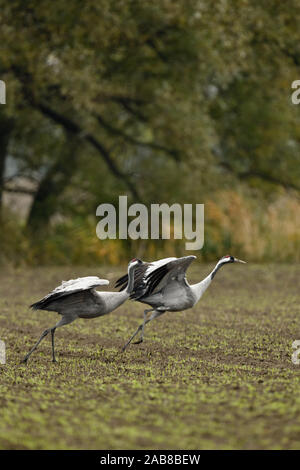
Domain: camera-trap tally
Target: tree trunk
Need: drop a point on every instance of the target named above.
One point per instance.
(51, 186)
(6, 127)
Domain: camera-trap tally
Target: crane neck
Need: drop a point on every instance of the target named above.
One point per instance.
(130, 283)
(201, 286)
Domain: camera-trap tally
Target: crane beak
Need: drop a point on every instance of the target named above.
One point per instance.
(239, 261)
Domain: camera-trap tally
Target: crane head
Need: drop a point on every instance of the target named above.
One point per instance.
(135, 262)
(231, 259)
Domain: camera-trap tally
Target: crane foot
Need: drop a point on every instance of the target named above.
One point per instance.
(139, 341)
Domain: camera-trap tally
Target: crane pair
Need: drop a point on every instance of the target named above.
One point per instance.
(160, 284)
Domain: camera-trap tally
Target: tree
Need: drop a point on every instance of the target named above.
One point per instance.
(187, 92)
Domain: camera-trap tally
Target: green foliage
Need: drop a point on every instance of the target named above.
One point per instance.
(166, 101)
(234, 223)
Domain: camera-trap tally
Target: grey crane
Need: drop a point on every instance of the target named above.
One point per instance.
(78, 298)
(163, 285)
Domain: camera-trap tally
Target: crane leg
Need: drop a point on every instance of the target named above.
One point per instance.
(43, 335)
(63, 321)
(143, 327)
(140, 328)
(52, 340)
(155, 314)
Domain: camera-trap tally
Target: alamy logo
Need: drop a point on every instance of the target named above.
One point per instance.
(154, 224)
(295, 95)
(2, 352)
(296, 353)
(2, 92)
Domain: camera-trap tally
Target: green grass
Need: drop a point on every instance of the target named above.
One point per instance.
(218, 376)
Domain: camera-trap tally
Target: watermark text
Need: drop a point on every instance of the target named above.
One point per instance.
(2, 352)
(2, 92)
(139, 222)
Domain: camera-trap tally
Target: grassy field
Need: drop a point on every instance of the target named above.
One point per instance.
(218, 376)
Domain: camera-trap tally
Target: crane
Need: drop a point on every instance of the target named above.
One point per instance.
(163, 285)
(77, 298)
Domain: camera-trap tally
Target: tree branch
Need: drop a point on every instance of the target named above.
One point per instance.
(113, 130)
(260, 174)
(127, 103)
(74, 128)
(19, 190)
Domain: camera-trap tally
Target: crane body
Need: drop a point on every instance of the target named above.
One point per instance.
(77, 298)
(163, 285)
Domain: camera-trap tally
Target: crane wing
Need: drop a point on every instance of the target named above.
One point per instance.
(158, 278)
(70, 287)
(140, 273)
(150, 276)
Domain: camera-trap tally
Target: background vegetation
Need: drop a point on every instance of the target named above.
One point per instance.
(169, 101)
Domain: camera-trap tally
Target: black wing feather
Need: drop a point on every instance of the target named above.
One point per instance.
(67, 289)
(145, 284)
(43, 303)
(122, 282)
(138, 276)
(154, 279)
